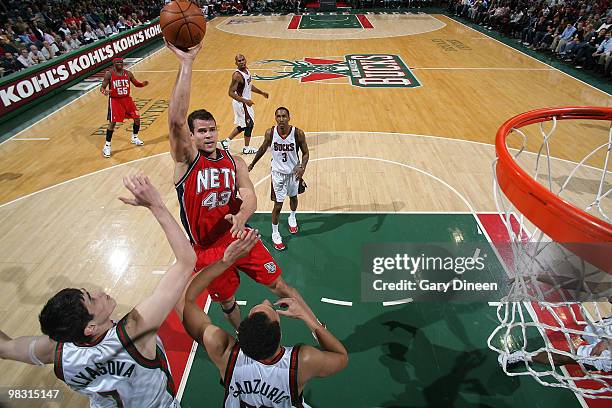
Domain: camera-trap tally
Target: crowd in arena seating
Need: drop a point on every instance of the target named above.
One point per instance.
(34, 31)
(577, 32)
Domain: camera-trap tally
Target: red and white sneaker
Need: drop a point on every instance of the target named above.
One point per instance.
(277, 240)
(293, 225)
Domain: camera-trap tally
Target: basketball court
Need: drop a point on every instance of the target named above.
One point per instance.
(400, 113)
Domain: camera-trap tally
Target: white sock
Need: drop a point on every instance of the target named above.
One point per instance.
(134, 136)
(106, 143)
(292, 215)
(275, 229)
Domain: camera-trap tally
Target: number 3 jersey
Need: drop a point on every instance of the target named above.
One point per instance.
(206, 194)
(113, 373)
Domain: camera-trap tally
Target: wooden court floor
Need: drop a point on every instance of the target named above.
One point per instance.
(386, 150)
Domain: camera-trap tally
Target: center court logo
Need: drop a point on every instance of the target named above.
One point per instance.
(362, 70)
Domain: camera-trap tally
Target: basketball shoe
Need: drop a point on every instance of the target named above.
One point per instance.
(293, 225)
(248, 150)
(106, 151)
(277, 240)
(135, 140)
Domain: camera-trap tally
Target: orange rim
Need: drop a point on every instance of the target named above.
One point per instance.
(557, 218)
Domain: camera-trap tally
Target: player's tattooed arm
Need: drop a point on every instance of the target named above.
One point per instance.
(301, 141)
(136, 82)
(105, 82)
(262, 149)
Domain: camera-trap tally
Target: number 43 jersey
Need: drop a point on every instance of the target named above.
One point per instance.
(206, 194)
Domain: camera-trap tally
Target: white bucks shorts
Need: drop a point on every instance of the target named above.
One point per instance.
(283, 185)
(244, 116)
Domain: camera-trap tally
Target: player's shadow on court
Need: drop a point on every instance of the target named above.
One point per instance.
(580, 185)
(129, 146)
(422, 366)
(14, 275)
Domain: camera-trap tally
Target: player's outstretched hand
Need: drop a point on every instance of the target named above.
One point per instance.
(249, 102)
(266, 95)
(145, 83)
(145, 193)
(238, 229)
(295, 309)
(240, 247)
(190, 54)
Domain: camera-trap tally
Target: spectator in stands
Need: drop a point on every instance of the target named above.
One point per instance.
(64, 30)
(89, 36)
(24, 58)
(121, 25)
(110, 29)
(36, 55)
(49, 51)
(10, 64)
(7, 45)
(603, 54)
(70, 43)
(99, 30)
(560, 40)
(71, 20)
(584, 54)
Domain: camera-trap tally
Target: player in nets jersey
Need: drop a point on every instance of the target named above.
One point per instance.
(113, 364)
(287, 172)
(120, 103)
(216, 196)
(240, 90)
(256, 370)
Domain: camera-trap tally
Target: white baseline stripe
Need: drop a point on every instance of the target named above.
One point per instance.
(241, 302)
(192, 353)
(397, 302)
(27, 139)
(336, 302)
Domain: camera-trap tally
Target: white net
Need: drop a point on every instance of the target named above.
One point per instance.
(555, 324)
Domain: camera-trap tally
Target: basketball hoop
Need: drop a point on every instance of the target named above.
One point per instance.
(560, 257)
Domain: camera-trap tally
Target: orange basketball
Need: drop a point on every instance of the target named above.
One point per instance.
(182, 23)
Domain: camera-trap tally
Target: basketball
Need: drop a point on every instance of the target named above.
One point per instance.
(182, 23)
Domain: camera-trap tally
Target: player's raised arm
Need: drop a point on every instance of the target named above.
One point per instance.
(196, 321)
(105, 83)
(35, 350)
(313, 362)
(144, 320)
(249, 199)
(262, 149)
(181, 147)
(136, 82)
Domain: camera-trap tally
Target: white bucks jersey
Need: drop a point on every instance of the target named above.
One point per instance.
(284, 151)
(245, 90)
(251, 383)
(113, 373)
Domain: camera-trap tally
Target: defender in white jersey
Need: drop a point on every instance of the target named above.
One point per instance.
(113, 364)
(287, 171)
(240, 90)
(256, 369)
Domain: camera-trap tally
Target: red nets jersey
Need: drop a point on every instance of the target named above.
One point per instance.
(206, 194)
(119, 84)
